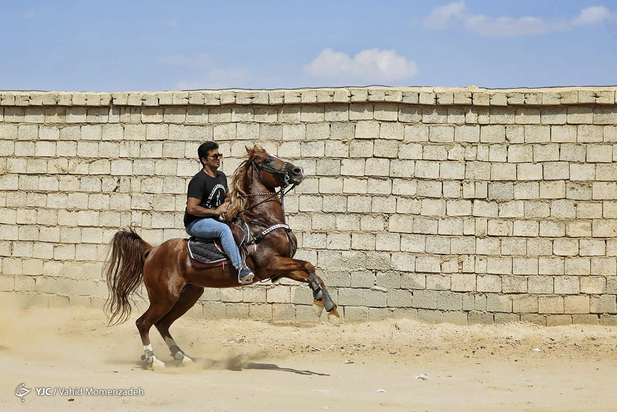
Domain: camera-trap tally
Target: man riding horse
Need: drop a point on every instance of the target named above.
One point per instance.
(174, 284)
(207, 200)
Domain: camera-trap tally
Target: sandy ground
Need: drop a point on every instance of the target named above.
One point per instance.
(255, 366)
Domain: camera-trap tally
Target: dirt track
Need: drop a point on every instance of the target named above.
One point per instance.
(255, 366)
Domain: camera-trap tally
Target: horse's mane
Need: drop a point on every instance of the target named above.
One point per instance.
(236, 190)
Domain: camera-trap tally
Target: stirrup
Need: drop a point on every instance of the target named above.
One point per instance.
(246, 279)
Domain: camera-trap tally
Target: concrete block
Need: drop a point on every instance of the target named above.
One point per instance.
(463, 282)
(572, 153)
(599, 153)
(585, 319)
(567, 285)
(503, 172)
(604, 228)
(537, 134)
(603, 266)
(450, 301)
(593, 285)
(525, 304)
(527, 115)
(558, 320)
(374, 298)
(558, 115)
(534, 319)
(498, 303)
(606, 172)
(603, 304)
(563, 209)
(547, 153)
(529, 171)
(589, 134)
(550, 304)
(428, 264)
(479, 317)
(490, 283)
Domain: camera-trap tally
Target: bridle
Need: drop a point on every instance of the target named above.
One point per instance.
(271, 170)
(257, 168)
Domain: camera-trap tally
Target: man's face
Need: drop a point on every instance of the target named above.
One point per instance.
(213, 160)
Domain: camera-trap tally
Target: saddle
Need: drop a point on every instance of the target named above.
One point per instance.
(208, 253)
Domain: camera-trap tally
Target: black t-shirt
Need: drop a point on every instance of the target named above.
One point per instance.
(210, 190)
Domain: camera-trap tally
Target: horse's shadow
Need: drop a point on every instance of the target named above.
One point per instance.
(273, 367)
(233, 364)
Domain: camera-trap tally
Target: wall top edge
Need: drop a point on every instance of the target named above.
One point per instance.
(431, 96)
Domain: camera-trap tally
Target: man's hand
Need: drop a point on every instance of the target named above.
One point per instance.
(223, 208)
(195, 209)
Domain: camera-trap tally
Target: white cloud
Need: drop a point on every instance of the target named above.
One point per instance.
(594, 16)
(455, 14)
(445, 17)
(509, 27)
(371, 66)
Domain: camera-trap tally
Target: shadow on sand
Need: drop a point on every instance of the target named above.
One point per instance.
(233, 363)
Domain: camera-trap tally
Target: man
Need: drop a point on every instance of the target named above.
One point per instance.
(207, 200)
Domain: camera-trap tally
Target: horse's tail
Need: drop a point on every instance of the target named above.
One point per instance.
(124, 272)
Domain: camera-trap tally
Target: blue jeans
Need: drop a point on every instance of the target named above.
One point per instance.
(209, 228)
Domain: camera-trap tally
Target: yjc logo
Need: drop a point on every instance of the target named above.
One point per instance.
(22, 391)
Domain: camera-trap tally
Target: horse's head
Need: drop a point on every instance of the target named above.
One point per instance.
(260, 169)
(274, 172)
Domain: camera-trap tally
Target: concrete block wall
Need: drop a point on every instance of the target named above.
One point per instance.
(456, 205)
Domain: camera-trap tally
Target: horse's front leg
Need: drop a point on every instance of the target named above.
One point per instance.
(303, 271)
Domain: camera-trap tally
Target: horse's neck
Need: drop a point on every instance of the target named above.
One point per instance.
(270, 212)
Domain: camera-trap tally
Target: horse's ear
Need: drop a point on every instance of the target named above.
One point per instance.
(250, 152)
(254, 151)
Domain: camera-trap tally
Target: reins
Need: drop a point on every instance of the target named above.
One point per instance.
(281, 194)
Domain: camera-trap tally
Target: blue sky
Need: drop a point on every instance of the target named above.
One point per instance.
(185, 45)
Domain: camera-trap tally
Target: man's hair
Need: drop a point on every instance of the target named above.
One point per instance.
(204, 148)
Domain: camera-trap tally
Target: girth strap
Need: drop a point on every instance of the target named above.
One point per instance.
(269, 230)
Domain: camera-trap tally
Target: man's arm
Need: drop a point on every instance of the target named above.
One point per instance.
(193, 207)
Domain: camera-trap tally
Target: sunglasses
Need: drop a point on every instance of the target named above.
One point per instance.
(216, 155)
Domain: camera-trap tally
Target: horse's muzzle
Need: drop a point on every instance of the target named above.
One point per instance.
(296, 175)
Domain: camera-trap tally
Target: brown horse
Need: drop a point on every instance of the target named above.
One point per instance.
(174, 285)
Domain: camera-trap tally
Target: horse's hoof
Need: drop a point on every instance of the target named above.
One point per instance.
(334, 319)
(318, 309)
(157, 365)
(186, 361)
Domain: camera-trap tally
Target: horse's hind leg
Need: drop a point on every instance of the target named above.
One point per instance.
(190, 294)
(144, 323)
(159, 307)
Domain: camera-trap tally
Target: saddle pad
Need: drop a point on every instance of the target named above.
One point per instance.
(204, 253)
